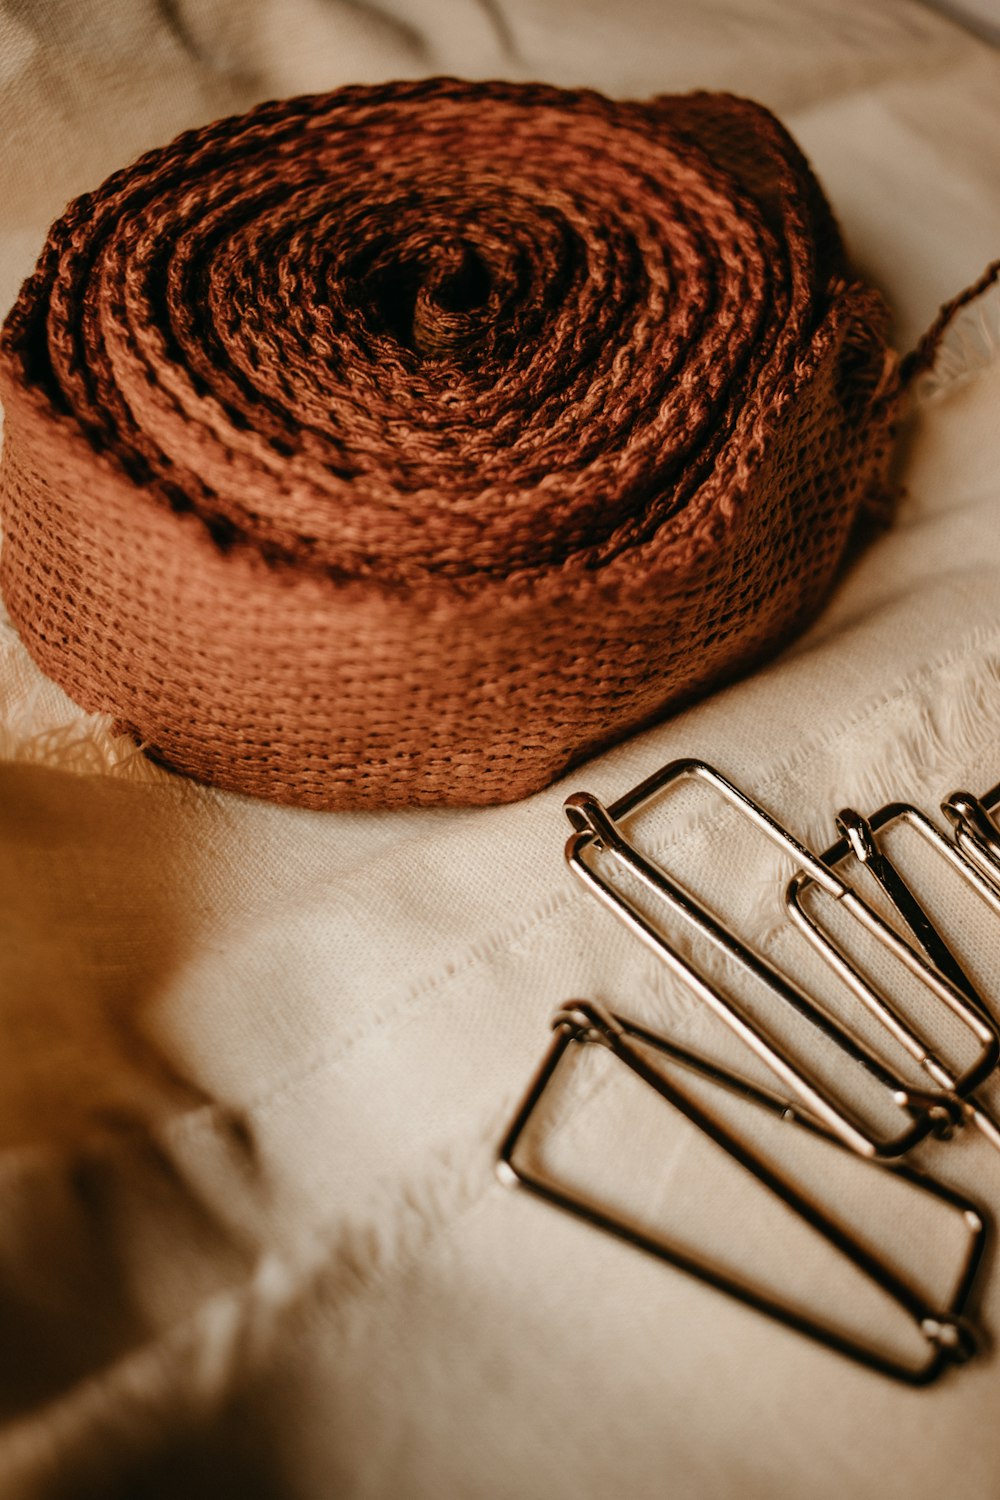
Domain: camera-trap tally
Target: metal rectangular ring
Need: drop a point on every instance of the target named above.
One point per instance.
(860, 842)
(598, 828)
(975, 829)
(950, 1338)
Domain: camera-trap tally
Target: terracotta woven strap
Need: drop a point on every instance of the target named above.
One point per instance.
(404, 444)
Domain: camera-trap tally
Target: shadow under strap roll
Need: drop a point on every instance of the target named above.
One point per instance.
(405, 444)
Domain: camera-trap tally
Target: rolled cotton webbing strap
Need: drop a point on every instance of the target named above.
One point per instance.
(405, 443)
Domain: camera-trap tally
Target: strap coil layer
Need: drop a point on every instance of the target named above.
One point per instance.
(372, 448)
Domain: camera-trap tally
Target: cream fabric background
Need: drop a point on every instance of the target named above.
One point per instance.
(256, 1061)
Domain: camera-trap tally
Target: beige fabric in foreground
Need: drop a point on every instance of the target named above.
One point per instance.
(256, 1060)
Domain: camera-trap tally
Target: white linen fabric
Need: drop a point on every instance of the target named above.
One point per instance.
(256, 1061)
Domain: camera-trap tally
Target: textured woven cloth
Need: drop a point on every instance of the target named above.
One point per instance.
(402, 444)
(257, 1059)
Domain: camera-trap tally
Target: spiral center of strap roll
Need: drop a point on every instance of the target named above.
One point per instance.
(405, 443)
(443, 303)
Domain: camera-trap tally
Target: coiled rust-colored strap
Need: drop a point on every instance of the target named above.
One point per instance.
(406, 443)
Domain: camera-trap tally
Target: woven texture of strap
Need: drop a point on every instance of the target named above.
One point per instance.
(405, 444)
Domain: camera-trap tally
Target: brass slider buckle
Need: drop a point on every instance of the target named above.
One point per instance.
(598, 828)
(949, 1337)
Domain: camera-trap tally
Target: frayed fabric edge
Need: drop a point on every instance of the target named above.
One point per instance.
(962, 342)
